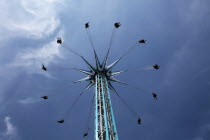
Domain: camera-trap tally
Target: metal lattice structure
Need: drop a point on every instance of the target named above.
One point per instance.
(105, 128)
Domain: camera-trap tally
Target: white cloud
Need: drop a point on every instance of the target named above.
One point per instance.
(29, 18)
(32, 59)
(27, 101)
(10, 132)
(10, 129)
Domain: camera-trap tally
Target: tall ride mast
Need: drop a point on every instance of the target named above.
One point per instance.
(105, 128)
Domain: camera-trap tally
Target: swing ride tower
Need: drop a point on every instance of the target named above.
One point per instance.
(105, 128)
(101, 76)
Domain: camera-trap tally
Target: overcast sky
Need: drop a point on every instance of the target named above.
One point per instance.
(177, 34)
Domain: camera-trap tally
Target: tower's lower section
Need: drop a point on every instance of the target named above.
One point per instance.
(105, 128)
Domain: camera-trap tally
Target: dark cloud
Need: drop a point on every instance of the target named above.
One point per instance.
(177, 35)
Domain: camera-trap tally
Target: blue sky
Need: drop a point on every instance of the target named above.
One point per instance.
(177, 34)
